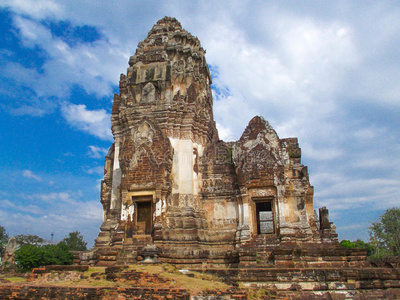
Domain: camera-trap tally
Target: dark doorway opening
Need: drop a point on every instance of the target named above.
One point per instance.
(265, 217)
(144, 217)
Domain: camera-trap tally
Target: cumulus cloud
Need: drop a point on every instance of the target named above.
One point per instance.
(95, 122)
(87, 64)
(284, 80)
(35, 8)
(95, 66)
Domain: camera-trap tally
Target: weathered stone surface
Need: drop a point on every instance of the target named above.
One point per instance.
(49, 292)
(260, 283)
(10, 249)
(243, 207)
(169, 180)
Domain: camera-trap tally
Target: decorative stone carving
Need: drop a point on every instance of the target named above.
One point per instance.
(148, 93)
(170, 182)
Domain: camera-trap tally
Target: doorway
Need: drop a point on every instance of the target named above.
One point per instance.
(265, 217)
(144, 217)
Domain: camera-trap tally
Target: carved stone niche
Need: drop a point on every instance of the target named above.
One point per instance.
(191, 94)
(149, 93)
(143, 134)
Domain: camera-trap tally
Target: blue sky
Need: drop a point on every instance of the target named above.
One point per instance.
(325, 72)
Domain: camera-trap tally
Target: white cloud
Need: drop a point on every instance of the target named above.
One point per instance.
(343, 192)
(52, 198)
(97, 152)
(98, 185)
(94, 65)
(95, 122)
(35, 8)
(29, 174)
(25, 76)
(32, 209)
(61, 218)
(99, 170)
(370, 162)
(321, 153)
(32, 32)
(225, 134)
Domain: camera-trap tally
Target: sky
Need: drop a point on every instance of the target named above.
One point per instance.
(327, 72)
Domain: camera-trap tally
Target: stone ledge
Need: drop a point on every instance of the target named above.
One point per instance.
(39, 292)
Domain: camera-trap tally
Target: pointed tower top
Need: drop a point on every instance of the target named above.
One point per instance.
(168, 82)
(166, 36)
(167, 24)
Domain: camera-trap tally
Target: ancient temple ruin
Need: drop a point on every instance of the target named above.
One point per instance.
(170, 181)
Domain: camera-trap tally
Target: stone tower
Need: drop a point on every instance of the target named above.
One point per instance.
(170, 181)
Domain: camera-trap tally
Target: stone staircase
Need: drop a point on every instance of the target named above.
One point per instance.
(107, 256)
(317, 283)
(267, 251)
(131, 249)
(259, 251)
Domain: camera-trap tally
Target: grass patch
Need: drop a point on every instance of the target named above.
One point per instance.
(15, 279)
(199, 283)
(196, 283)
(92, 270)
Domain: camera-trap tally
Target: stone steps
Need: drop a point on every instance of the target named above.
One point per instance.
(131, 249)
(313, 280)
(107, 256)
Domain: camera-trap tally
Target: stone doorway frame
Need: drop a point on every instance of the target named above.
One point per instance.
(133, 198)
(140, 206)
(255, 201)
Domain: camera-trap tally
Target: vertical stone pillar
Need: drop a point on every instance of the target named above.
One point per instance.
(245, 226)
(240, 213)
(324, 218)
(116, 181)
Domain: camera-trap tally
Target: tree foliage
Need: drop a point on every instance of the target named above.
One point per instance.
(385, 234)
(3, 240)
(75, 242)
(33, 256)
(29, 239)
(358, 244)
(28, 257)
(57, 255)
(347, 244)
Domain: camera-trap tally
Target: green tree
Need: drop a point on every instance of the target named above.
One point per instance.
(363, 245)
(29, 239)
(57, 255)
(3, 240)
(385, 234)
(347, 244)
(28, 257)
(75, 242)
(358, 244)
(33, 256)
